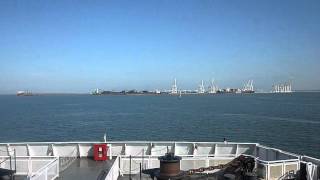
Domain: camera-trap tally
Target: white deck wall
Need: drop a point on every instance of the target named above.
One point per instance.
(85, 149)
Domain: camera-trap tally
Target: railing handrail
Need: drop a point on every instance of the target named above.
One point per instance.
(6, 158)
(49, 157)
(10, 156)
(193, 156)
(279, 150)
(112, 169)
(186, 156)
(119, 142)
(315, 159)
(278, 161)
(43, 167)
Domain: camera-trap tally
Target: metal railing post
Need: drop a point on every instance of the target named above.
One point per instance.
(130, 168)
(30, 165)
(57, 162)
(10, 162)
(140, 171)
(142, 158)
(15, 161)
(46, 174)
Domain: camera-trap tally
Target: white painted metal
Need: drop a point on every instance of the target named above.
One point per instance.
(49, 171)
(114, 171)
(33, 165)
(174, 88)
(201, 89)
(135, 148)
(193, 154)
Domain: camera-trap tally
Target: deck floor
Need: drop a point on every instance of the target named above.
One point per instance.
(86, 169)
(148, 177)
(81, 169)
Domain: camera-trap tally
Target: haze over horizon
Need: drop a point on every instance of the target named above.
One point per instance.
(69, 46)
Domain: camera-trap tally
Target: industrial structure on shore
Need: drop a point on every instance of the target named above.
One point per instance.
(202, 89)
(175, 90)
(248, 87)
(282, 88)
(212, 89)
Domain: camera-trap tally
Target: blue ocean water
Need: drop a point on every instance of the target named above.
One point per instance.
(286, 121)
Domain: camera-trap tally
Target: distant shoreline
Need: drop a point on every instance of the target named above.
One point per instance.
(164, 94)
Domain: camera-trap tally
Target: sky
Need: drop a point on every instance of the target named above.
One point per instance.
(77, 46)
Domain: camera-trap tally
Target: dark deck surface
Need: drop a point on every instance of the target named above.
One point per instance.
(6, 172)
(80, 169)
(148, 177)
(86, 169)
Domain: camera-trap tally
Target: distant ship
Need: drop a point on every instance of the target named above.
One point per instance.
(97, 92)
(247, 88)
(24, 93)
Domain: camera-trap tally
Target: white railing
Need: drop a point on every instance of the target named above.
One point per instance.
(48, 172)
(66, 160)
(275, 169)
(6, 162)
(271, 161)
(26, 165)
(186, 163)
(266, 169)
(310, 159)
(114, 171)
(84, 149)
(312, 167)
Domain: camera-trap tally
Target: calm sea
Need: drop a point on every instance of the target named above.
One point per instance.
(286, 121)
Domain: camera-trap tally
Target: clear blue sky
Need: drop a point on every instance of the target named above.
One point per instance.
(76, 46)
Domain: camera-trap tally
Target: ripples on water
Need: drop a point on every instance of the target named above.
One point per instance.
(286, 121)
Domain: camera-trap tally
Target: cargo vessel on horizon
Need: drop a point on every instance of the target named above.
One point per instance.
(24, 93)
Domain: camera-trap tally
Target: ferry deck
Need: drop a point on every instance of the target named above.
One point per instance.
(74, 160)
